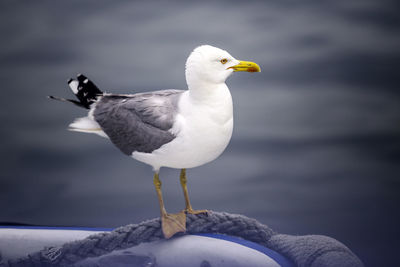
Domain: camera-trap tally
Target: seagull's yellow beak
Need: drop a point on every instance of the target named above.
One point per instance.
(246, 66)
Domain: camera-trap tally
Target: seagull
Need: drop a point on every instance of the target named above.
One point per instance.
(168, 128)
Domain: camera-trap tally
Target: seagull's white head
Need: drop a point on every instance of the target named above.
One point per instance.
(212, 65)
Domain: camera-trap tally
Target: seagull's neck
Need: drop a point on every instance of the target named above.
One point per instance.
(206, 92)
(209, 101)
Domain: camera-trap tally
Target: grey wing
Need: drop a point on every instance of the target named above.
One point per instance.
(139, 122)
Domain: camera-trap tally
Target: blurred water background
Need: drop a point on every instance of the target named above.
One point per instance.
(316, 144)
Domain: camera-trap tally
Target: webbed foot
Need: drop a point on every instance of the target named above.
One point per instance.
(173, 223)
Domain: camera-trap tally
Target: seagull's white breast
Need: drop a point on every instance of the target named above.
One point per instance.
(202, 128)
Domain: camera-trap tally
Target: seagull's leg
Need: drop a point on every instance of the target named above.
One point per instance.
(171, 223)
(188, 208)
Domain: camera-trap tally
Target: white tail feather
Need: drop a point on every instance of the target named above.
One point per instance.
(86, 125)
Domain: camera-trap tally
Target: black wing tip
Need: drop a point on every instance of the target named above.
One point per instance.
(57, 98)
(81, 77)
(79, 104)
(86, 91)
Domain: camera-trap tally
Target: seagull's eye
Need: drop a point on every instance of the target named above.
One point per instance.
(224, 60)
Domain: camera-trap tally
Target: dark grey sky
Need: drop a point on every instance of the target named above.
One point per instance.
(316, 144)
